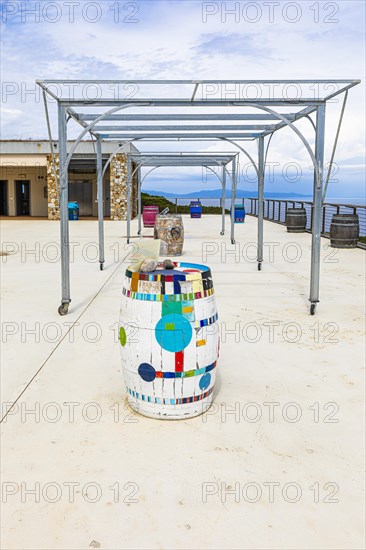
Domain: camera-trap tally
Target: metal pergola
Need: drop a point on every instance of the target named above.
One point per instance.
(158, 160)
(235, 111)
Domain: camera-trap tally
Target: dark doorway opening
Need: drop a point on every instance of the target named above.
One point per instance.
(81, 192)
(3, 198)
(22, 194)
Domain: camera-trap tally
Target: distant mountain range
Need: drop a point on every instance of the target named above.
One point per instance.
(216, 193)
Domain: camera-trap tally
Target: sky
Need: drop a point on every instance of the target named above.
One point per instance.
(194, 40)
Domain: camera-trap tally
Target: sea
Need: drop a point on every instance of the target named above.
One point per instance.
(358, 202)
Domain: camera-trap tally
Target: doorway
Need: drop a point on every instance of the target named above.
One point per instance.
(81, 192)
(22, 198)
(3, 198)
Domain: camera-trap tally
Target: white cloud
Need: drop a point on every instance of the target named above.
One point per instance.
(171, 40)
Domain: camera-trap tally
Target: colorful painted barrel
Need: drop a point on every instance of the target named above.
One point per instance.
(239, 213)
(169, 340)
(169, 229)
(195, 209)
(149, 214)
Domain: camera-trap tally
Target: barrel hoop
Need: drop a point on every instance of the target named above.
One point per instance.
(167, 297)
(168, 401)
(187, 373)
(182, 276)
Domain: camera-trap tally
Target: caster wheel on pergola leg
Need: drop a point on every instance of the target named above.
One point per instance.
(222, 232)
(101, 266)
(232, 241)
(260, 266)
(139, 232)
(312, 309)
(63, 309)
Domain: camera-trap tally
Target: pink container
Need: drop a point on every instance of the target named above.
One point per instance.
(149, 215)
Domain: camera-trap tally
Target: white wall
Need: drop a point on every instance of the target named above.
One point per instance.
(37, 176)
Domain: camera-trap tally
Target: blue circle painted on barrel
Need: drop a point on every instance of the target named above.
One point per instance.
(205, 381)
(173, 332)
(147, 372)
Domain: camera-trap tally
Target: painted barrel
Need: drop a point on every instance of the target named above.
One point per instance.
(344, 231)
(296, 220)
(169, 340)
(239, 213)
(195, 209)
(149, 214)
(169, 229)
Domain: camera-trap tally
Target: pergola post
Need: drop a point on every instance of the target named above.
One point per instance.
(317, 208)
(233, 194)
(139, 199)
(260, 201)
(128, 199)
(100, 201)
(64, 212)
(223, 199)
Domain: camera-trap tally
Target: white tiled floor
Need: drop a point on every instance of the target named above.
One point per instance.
(287, 414)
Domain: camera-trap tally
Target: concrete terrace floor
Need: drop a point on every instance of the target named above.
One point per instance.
(277, 463)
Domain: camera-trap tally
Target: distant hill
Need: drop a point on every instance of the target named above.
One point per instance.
(216, 193)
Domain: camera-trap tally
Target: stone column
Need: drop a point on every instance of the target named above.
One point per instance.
(52, 184)
(118, 189)
(134, 194)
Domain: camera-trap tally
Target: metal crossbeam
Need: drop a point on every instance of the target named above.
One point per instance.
(184, 116)
(213, 127)
(137, 135)
(181, 102)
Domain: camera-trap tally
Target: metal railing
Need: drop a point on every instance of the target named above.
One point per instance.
(275, 210)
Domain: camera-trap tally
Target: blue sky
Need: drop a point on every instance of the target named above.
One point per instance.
(189, 39)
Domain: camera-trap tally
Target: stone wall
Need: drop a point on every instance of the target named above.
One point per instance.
(53, 197)
(118, 188)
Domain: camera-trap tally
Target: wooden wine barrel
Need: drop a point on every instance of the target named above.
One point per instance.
(169, 340)
(344, 231)
(149, 214)
(169, 229)
(296, 220)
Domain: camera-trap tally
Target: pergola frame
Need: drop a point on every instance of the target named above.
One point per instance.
(160, 160)
(313, 99)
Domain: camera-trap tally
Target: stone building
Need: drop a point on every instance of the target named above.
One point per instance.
(29, 187)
